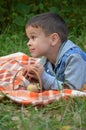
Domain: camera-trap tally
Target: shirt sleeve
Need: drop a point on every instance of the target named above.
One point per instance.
(75, 71)
(50, 82)
(75, 74)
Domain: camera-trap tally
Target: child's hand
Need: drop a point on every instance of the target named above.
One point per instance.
(29, 70)
(37, 68)
(29, 67)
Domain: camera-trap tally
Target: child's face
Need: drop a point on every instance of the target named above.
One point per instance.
(39, 44)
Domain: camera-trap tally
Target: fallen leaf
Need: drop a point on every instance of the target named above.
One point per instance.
(66, 128)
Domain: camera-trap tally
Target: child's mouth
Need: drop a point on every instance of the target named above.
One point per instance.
(32, 50)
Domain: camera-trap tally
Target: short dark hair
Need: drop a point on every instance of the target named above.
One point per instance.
(50, 23)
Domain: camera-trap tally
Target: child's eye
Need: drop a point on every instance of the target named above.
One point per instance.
(33, 37)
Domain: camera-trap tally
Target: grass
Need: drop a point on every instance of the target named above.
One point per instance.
(12, 44)
(63, 115)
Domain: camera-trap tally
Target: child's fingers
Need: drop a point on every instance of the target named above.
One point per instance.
(29, 74)
(24, 72)
(32, 60)
(32, 77)
(39, 68)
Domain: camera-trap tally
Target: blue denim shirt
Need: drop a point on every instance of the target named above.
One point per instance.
(70, 68)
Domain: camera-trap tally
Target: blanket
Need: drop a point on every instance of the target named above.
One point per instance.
(9, 66)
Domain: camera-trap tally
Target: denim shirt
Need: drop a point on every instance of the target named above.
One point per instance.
(70, 68)
(59, 70)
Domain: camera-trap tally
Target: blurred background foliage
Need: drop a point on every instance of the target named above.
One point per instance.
(15, 13)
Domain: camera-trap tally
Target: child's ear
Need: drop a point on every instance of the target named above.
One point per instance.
(54, 39)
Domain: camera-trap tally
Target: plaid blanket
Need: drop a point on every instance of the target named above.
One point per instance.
(9, 66)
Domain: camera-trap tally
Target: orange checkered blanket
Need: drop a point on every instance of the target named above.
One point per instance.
(9, 65)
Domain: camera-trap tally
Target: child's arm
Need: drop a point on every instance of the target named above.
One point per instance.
(50, 82)
(75, 74)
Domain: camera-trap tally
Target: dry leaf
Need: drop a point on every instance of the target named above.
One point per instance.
(67, 127)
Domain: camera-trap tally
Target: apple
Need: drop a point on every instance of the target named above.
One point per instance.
(32, 88)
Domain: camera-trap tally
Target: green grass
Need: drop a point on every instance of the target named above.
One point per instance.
(13, 43)
(68, 113)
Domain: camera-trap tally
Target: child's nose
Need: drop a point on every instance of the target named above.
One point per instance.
(29, 43)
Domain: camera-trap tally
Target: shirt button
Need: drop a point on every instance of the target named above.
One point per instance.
(47, 70)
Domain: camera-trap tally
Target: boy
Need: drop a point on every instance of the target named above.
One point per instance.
(62, 62)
